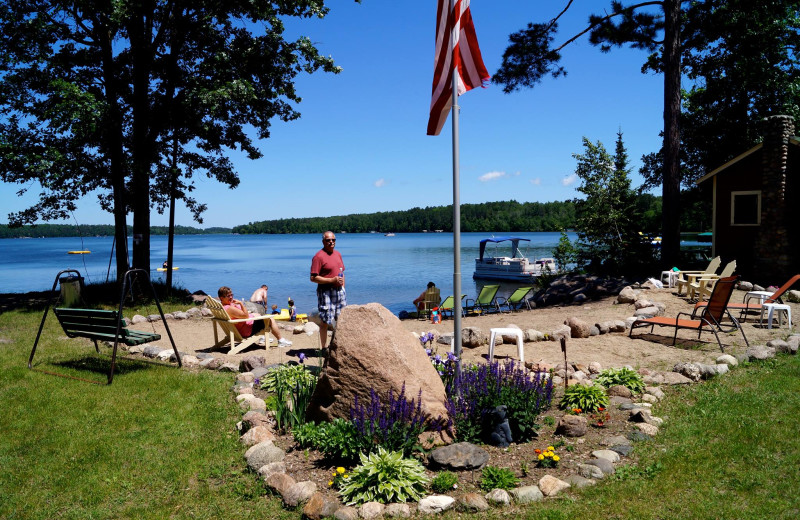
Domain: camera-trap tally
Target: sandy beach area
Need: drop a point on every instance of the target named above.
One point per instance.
(644, 350)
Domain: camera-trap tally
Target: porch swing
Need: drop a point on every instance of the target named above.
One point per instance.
(98, 324)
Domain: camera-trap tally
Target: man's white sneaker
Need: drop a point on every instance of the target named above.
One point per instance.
(284, 343)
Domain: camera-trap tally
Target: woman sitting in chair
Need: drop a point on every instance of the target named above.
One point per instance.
(236, 310)
(419, 303)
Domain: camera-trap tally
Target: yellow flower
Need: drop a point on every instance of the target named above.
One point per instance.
(347, 476)
(340, 470)
(330, 483)
(541, 457)
(550, 448)
(556, 458)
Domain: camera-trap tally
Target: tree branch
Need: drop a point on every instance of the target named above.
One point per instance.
(600, 21)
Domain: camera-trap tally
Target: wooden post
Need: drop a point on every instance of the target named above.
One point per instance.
(566, 371)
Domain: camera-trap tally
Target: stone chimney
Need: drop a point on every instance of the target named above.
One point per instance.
(774, 250)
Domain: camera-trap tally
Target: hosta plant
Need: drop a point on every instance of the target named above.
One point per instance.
(586, 398)
(384, 476)
(498, 478)
(621, 376)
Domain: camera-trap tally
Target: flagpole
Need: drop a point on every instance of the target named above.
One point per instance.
(456, 231)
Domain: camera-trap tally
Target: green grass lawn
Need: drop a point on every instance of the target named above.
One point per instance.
(160, 443)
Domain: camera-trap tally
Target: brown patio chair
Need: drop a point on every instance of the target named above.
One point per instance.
(746, 307)
(710, 318)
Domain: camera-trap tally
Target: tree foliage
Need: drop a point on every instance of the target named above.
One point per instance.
(648, 25)
(608, 223)
(134, 99)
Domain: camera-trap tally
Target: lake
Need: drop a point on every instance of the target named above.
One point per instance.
(388, 270)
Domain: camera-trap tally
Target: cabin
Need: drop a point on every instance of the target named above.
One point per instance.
(752, 197)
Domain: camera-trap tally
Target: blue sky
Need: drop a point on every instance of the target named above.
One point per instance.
(360, 145)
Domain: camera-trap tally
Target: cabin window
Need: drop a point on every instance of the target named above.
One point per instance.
(745, 208)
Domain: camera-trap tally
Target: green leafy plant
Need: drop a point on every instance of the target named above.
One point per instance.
(585, 398)
(498, 478)
(444, 482)
(624, 376)
(338, 478)
(384, 476)
(292, 387)
(337, 440)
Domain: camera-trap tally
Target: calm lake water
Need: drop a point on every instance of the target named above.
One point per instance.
(388, 270)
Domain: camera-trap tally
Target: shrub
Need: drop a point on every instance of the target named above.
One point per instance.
(337, 440)
(585, 398)
(481, 388)
(498, 478)
(621, 376)
(444, 482)
(384, 476)
(293, 386)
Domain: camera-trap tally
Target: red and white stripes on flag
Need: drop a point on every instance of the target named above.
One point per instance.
(456, 47)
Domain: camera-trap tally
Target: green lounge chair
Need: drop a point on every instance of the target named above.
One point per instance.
(486, 301)
(516, 300)
(448, 305)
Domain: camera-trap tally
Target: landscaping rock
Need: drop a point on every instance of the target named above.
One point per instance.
(318, 507)
(619, 326)
(595, 367)
(780, 346)
(262, 454)
(648, 429)
(371, 510)
(578, 481)
(473, 337)
(299, 493)
(460, 456)
(255, 418)
(623, 449)
(590, 471)
(551, 486)
(533, 335)
(270, 469)
(760, 352)
(212, 363)
(639, 436)
(727, 359)
(498, 497)
(674, 378)
(627, 295)
(610, 455)
(397, 511)
(435, 504)
(279, 482)
(572, 426)
(616, 439)
(619, 391)
(472, 503)
(257, 435)
(578, 328)
(251, 362)
(346, 512)
(655, 391)
(793, 342)
(605, 466)
(561, 332)
(229, 367)
(527, 494)
(371, 350)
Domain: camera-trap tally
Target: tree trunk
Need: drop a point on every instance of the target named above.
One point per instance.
(670, 228)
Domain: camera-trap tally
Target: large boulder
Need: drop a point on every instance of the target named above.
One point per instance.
(371, 350)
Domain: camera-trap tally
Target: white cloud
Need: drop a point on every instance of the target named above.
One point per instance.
(569, 180)
(379, 183)
(537, 181)
(491, 176)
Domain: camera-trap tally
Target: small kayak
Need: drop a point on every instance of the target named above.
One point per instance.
(78, 252)
(164, 268)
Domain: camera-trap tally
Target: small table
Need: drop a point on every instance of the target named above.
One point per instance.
(771, 308)
(506, 331)
(757, 295)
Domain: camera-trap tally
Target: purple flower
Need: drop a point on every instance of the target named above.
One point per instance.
(302, 357)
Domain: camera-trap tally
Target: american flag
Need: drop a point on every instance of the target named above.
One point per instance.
(456, 47)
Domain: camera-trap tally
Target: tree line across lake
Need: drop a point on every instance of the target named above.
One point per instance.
(92, 230)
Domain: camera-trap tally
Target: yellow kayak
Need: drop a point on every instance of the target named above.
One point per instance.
(78, 252)
(164, 268)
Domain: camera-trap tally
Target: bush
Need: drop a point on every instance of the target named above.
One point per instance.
(585, 398)
(292, 386)
(337, 440)
(621, 376)
(498, 478)
(384, 477)
(444, 482)
(481, 388)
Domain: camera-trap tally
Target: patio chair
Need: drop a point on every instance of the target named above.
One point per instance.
(448, 305)
(516, 300)
(746, 307)
(231, 334)
(686, 277)
(432, 299)
(485, 302)
(710, 318)
(702, 287)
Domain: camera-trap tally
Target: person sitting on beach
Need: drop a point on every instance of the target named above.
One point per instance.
(237, 311)
(419, 303)
(260, 297)
(275, 309)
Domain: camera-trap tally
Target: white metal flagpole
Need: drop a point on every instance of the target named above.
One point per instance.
(456, 231)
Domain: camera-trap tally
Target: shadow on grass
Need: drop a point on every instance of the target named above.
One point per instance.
(88, 365)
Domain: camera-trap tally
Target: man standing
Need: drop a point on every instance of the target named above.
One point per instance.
(327, 271)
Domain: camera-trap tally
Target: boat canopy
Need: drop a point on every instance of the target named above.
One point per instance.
(515, 253)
